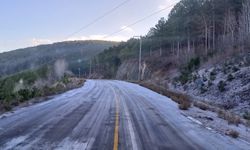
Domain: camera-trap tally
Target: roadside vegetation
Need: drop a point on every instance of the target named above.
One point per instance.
(26, 85)
(233, 133)
(185, 101)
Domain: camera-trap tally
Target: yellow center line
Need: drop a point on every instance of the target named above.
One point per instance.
(116, 134)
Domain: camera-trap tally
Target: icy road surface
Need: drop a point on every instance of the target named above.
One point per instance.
(108, 115)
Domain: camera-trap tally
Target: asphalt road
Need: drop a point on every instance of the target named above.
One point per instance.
(108, 115)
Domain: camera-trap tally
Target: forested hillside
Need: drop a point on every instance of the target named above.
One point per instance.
(202, 49)
(195, 29)
(75, 53)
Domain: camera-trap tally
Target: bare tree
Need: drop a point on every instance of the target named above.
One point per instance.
(205, 34)
(213, 25)
(244, 28)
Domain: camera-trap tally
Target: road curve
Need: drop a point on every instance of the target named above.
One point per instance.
(108, 115)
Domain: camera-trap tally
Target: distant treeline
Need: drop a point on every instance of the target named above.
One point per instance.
(76, 54)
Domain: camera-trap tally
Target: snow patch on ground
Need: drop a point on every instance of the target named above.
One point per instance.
(68, 144)
(233, 95)
(211, 121)
(194, 120)
(14, 142)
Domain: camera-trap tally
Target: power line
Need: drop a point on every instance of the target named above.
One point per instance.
(98, 18)
(140, 20)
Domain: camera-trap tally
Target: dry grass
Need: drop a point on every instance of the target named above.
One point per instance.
(201, 105)
(231, 118)
(233, 133)
(246, 115)
(186, 101)
(247, 123)
(184, 105)
(183, 100)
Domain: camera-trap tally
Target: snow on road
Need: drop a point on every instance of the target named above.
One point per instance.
(86, 118)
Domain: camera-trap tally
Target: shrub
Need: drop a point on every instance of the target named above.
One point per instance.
(25, 94)
(35, 92)
(221, 114)
(204, 78)
(235, 69)
(46, 91)
(230, 77)
(246, 115)
(178, 98)
(182, 99)
(221, 86)
(7, 107)
(194, 77)
(201, 105)
(229, 104)
(203, 89)
(248, 123)
(185, 105)
(212, 75)
(65, 79)
(15, 103)
(233, 133)
(184, 78)
(194, 63)
(60, 87)
(209, 83)
(232, 119)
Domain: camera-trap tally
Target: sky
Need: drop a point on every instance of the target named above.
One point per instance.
(25, 23)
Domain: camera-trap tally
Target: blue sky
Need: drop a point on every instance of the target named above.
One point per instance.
(26, 23)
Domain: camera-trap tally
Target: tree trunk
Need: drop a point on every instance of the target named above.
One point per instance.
(188, 53)
(160, 51)
(193, 47)
(178, 49)
(209, 38)
(213, 27)
(206, 35)
(206, 39)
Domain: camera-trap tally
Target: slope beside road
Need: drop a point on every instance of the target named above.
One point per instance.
(108, 115)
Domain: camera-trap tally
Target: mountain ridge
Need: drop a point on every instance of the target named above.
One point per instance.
(76, 53)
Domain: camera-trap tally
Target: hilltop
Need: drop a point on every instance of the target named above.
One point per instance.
(75, 53)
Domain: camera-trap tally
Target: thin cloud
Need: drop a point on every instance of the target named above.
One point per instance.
(36, 41)
(167, 3)
(127, 29)
(99, 37)
(160, 7)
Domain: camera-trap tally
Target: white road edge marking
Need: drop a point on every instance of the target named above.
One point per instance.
(130, 128)
(194, 120)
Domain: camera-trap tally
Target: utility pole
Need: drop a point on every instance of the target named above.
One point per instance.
(79, 72)
(160, 48)
(139, 71)
(90, 65)
(139, 75)
(79, 69)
